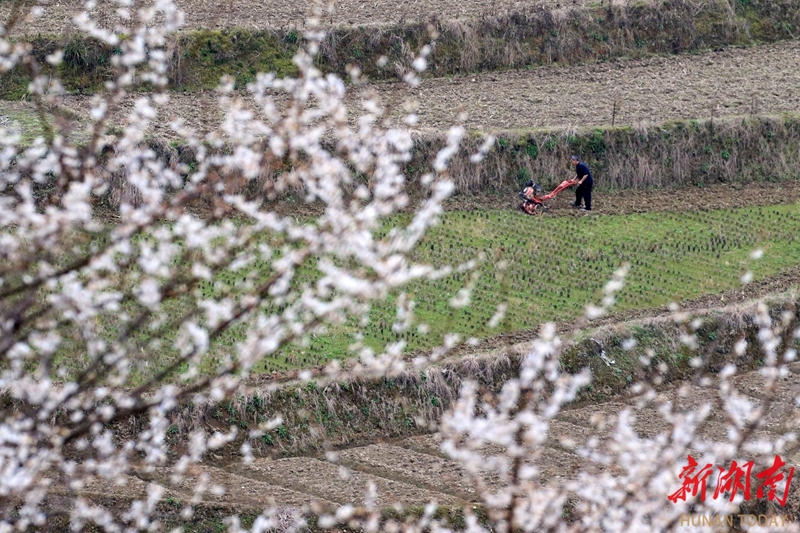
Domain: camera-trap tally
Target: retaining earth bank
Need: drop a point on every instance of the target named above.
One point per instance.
(541, 35)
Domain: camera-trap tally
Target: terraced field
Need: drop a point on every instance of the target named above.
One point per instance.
(414, 471)
(733, 82)
(714, 84)
(288, 14)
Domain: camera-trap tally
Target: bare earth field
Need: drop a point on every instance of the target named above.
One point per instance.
(284, 14)
(414, 470)
(733, 82)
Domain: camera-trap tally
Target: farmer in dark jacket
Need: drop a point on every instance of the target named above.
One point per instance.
(585, 182)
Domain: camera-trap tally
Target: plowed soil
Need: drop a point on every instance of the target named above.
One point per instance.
(729, 83)
(787, 415)
(732, 82)
(336, 483)
(285, 13)
(425, 470)
(238, 490)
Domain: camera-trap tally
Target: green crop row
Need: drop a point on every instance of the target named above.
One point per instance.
(545, 269)
(548, 269)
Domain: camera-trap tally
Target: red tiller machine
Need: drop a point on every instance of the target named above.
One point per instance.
(533, 200)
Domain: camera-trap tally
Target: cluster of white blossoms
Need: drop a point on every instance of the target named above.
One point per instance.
(630, 476)
(89, 298)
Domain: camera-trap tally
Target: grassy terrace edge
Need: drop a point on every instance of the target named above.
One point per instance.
(541, 36)
(412, 403)
(674, 154)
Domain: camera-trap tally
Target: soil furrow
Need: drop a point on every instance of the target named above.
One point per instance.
(126, 486)
(421, 469)
(553, 465)
(337, 483)
(238, 490)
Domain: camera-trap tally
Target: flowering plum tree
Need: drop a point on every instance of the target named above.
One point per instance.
(110, 313)
(92, 300)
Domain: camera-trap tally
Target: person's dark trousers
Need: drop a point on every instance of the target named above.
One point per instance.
(584, 192)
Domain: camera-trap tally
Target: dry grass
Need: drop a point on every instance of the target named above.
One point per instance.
(675, 154)
(473, 37)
